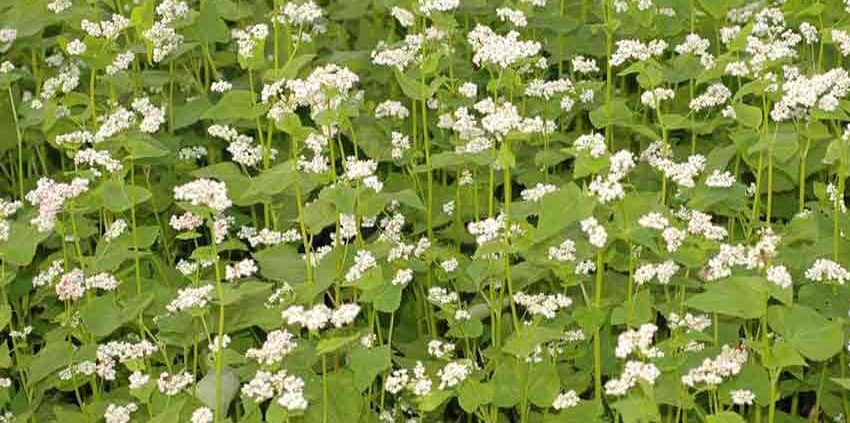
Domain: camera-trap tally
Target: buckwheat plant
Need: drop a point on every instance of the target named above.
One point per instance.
(320, 211)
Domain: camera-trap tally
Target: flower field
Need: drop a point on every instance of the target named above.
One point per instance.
(342, 211)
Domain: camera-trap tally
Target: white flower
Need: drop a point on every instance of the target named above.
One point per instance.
(204, 192)
(449, 265)
(391, 108)
(119, 413)
(637, 50)
(122, 62)
(653, 98)
(712, 371)
(171, 385)
(402, 277)
(190, 298)
(515, 17)
(742, 396)
(584, 65)
(593, 143)
(221, 86)
(567, 399)
(454, 373)
(719, 179)
(536, 193)
(50, 196)
(241, 269)
(277, 346)
(566, 251)
(429, 6)
(714, 96)
(826, 270)
(490, 48)
(634, 371)
(202, 415)
(780, 276)
(76, 48)
(541, 304)
(596, 233)
(468, 90)
(138, 379)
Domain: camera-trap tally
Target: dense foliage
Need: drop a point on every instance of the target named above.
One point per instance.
(424, 210)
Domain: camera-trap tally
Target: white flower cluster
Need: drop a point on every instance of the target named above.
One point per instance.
(204, 192)
(780, 276)
(190, 298)
(171, 384)
(742, 396)
(490, 48)
(400, 379)
(637, 50)
(7, 209)
(427, 7)
(391, 108)
(514, 16)
(593, 143)
(653, 98)
(364, 171)
(319, 316)
(163, 34)
(609, 188)
(119, 413)
(663, 271)
(266, 236)
(659, 157)
(537, 192)
(718, 179)
(324, 89)
(826, 270)
(241, 269)
(440, 349)
(50, 197)
(490, 229)
(712, 371)
(288, 388)
(800, 94)
(564, 400)
(690, 322)
(454, 373)
(632, 373)
(106, 29)
(715, 95)
(248, 38)
(596, 233)
(541, 304)
(565, 251)
(638, 341)
(754, 257)
(278, 344)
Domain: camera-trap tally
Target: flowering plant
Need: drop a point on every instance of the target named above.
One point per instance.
(424, 210)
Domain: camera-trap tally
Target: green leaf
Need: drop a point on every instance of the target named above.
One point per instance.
(744, 297)
(170, 414)
(523, 343)
(22, 244)
(368, 363)
(328, 345)
(473, 394)
(812, 335)
(229, 388)
(748, 116)
(234, 105)
(281, 263)
(412, 88)
(616, 113)
(117, 197)
(560, 209)
(102, 315)
(211, 27)
(54, 356)
(637, 410)
(544, 384)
